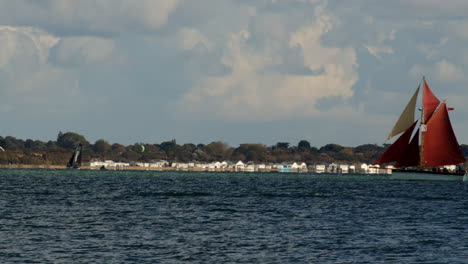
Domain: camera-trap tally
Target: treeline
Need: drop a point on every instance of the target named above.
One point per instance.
(18, 151)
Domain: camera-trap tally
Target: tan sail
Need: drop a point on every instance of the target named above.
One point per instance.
(406, 118)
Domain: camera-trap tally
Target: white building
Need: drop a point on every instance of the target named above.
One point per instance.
(299, 166)
(240, 166)
(224, 164)
(374, 169)
(107, 164)
(343, 168)
(332, 168)
(303, 167)
(364, 168)
(216, 164)
(249, 166)
(319, 168)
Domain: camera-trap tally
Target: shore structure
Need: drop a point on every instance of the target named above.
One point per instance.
(224, 166)
(241, 166)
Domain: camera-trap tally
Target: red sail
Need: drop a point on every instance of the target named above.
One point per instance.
(430, 102)
(410, 157)
(440, 144)
(396, 151)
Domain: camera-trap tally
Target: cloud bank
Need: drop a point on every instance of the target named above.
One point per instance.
(204, 63)
(260, 85)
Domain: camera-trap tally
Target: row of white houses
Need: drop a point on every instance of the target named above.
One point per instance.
(345, 168)
(248, 166)
(241, 166)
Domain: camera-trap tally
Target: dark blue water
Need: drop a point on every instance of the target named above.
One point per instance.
(60, 216)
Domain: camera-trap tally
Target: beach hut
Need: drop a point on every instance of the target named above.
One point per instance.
(364, 168)
(343, 168)
(217, 164)
(332, 168)
(240, 166)
(303, 167)
(224, 164)
(319, 168)
(250, 166)
(374, 169)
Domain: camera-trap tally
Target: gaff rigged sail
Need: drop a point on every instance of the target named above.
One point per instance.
(397, 150)
(430, 102)
(440, 144)
(406, 118)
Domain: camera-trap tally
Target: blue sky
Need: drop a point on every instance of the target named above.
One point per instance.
(241, 71)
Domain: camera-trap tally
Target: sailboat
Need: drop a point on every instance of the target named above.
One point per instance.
(75, 160)
(427, 145)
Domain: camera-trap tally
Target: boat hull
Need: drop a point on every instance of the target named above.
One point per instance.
(427, 176)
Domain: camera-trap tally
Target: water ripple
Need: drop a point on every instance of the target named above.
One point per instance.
(57, 216)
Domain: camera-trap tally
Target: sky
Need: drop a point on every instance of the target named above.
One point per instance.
(236, 71)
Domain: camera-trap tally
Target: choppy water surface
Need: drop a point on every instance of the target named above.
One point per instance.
(60, 216)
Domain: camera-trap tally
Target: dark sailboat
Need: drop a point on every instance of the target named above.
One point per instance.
(425, 145)
(75, 160)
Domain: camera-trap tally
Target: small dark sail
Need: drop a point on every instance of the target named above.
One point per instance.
(410, 157)
(75, 160)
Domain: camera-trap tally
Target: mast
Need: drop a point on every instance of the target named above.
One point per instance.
(422, 129)
(429, 105)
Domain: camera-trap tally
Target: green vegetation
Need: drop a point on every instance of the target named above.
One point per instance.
(58, 152)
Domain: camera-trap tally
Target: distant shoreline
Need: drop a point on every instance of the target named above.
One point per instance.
(30, 166)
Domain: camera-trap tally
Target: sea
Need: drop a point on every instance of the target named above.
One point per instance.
(91, 216)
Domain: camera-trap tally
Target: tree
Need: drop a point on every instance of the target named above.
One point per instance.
(218, 150)
(101, 146)
(252, 152)
(169, 146)
(303, 145)
(51, 145)
(70, 140)
(29, 143)
(189, 147)
(331, 148)
(13, 143)
(368, 148)
(117, 148)
(282, 145)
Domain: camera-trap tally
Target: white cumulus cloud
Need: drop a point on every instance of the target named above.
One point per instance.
(252, 90)
(191, 37)
(88, 16)
(374, 50)
(446, 71)
(74, 51)
(15, 39)
(442, 71)
(28, 80)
